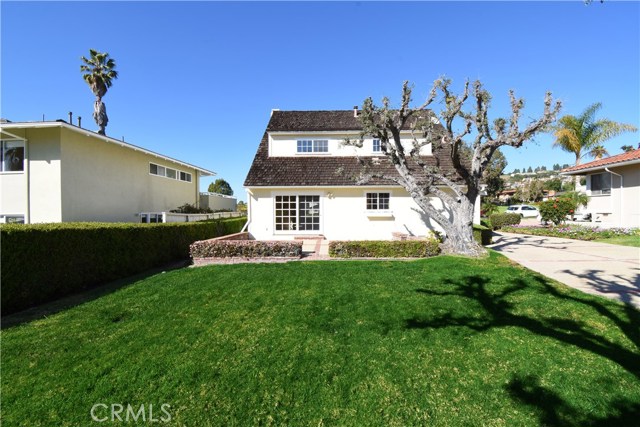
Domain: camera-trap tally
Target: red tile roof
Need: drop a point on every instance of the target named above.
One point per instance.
(602, 163)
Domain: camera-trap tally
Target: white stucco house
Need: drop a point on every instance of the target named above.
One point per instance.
(58, 172)
(303, 182)
(613, 187)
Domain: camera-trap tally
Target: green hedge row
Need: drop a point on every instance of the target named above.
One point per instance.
(482, 234)
(384, 249)
(42, 262)
(500, 220)
(246, 248)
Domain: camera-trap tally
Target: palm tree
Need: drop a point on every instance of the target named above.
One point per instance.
(598, 152)
(98, 73)
(583, 135)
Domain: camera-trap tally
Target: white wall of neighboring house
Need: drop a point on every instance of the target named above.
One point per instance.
(286, 144)
(622, 206)
(215, 202)
(343, 214)
(73, 175)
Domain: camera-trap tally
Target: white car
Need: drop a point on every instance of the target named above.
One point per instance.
(525, 211)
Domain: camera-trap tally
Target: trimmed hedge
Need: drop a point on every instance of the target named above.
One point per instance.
(483, 235)
(384, 249)
(245, 249)
(42, 262)
(500, 220)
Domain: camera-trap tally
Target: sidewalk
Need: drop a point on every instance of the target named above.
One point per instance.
(612, 271)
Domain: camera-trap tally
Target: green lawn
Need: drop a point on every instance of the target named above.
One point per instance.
(622, 240)
(446, 341)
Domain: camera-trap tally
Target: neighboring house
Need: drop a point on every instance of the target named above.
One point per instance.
(57, 172)
(613, 187)
(218, 202)
(304, 182)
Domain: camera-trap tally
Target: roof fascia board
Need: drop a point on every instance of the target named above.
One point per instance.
(86, 132)
(602, 167)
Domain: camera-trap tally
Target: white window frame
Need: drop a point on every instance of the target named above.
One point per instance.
(377, 212)
(312, 144)
(602, 191)
(297, 195)
(21, 144)
(178, 173)
(379, 146)
(5, 217)
(145, 217)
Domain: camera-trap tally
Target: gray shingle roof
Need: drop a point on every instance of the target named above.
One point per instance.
(299, 171)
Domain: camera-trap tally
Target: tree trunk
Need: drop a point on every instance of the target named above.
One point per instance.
(459, 239)
(100, 115)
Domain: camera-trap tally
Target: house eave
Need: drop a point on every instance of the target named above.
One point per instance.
(86, 132)
(601, 167)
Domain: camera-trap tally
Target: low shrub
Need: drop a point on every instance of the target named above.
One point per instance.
(575, 232)
(42, 262)
(557, 210)
(482, 234)
(245, 248)
(384, 249)
(500, 220)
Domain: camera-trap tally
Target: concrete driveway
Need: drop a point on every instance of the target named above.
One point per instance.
(612, 271)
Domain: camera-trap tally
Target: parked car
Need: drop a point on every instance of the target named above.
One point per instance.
(525, 211)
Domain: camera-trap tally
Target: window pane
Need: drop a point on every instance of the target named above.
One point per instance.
(12, 156)
(153, 169)
(376, 145)
(304, 146)
(171, 173)
(320, 146)
(161, 170)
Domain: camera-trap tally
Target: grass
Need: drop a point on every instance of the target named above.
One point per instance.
(622, 240)
(446, 341)
(614, 236)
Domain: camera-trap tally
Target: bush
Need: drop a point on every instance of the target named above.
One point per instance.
(385, 249)
(482, 234)
(556, 210)
(245, 249)
(42, 262)
(500, 220)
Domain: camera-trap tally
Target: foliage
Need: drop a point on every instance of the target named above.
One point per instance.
(445, 341)
(482, 234)
(99, 73)
(627, 148)
(531, 191)
(188, 208)
(220, 186)
(500, 220)
(583, 134)
(469, 151)
(577, 232)
(554, 184)
(578, 198)
(493, 174)
(556, 210)
(245, 248)
(42, 262)
(385, 248)
(488, 208)
(241, 207)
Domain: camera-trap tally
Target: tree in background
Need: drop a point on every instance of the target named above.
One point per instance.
(529, 170)
(99, 73)
(531, 191)
(241, 207)
(516, 171)
(599, 152)
(554, 184)
(581, 135)
(627, 148)
(463, 185)
(220, 186)
(493, 174)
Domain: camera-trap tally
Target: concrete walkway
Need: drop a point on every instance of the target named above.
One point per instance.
(612, 271)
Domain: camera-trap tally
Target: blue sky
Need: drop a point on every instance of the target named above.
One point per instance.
(198, 80)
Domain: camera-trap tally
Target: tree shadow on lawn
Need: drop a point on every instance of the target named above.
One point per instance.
(73, 300)
(499, 312)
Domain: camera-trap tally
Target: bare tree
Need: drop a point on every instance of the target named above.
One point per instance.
(425, 180)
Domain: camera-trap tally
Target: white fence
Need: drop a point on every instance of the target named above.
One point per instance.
(178, 217)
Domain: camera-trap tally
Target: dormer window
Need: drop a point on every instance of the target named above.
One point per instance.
(313, 146)
(377, 148)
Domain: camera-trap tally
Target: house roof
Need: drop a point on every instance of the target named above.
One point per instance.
(24, 125)
(628, 158)
(320, 120)
(330, 171)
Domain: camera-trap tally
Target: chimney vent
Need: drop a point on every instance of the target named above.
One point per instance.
(355, 111)
(70, 118)
(79, 121)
